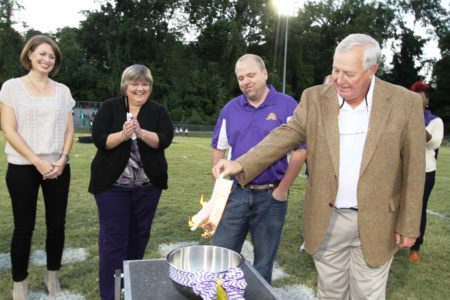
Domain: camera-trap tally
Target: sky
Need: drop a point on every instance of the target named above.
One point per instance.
(49, 15)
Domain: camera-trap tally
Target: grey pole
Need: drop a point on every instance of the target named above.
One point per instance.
(285, 54)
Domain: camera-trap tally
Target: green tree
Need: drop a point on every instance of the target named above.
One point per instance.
(194, 79)
(11, 42)
(441, 76)
(75, 71)
(319, 26)
(407, 62)
(126, 33)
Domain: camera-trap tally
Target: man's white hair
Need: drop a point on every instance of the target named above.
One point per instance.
(372, 51)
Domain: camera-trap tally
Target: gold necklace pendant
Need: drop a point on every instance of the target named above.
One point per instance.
(36, 87)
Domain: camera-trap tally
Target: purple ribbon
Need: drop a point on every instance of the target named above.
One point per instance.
(204, 284)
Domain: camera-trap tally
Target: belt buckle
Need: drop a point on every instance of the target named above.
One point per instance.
(261, 187)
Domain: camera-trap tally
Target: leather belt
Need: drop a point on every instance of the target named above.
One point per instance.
(261, 186)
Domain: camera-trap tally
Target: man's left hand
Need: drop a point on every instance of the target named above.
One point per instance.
(280, 195)
(404, 241)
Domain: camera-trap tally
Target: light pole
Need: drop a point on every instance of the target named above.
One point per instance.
(285, 53)
(287, 8)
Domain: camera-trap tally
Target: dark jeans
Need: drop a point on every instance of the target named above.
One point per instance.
(429, 184)
(125, 218)
(23, 183)
(257, 212)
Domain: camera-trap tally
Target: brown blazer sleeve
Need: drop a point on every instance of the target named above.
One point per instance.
(275, 145)
(413, 171)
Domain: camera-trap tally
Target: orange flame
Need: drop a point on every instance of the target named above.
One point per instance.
(202, 201)
(208, 231)
(207, 234)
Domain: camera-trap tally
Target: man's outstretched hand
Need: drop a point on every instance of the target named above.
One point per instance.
(226, 168)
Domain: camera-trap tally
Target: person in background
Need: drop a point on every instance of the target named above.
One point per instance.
(37, 123)
(364, 192)
(434, 130)
(260, 206)
(186, 132)
(128, 172)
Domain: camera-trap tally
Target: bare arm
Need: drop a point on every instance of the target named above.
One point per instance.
(150, 138)
(295, 165)
(9, 128)
(67, 147)
(216, 155)
(115, 139)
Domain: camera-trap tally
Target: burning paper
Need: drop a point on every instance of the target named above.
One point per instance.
(209, 216)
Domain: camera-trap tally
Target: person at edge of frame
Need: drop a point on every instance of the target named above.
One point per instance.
(434, 133)
(37, 123)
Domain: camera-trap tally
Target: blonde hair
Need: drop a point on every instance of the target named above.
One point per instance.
(32, 44)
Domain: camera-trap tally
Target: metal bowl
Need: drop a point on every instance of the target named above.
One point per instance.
(207, 258)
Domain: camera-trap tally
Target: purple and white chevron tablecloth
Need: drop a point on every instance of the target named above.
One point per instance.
(204, 284)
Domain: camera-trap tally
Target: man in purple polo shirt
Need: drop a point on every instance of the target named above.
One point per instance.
(260, 206)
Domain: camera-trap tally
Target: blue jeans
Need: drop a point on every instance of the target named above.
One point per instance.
(125, 219)
(258, 212)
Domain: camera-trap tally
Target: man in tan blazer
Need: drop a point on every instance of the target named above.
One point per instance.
(366, 143)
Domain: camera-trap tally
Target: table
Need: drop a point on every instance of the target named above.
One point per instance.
(149, 279)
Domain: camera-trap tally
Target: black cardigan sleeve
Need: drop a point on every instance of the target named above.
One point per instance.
(103, 122)
(164, 128)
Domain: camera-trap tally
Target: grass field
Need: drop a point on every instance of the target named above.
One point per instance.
(189, 175)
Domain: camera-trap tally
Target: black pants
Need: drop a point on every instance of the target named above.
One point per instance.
(429, 183)
(23, 183)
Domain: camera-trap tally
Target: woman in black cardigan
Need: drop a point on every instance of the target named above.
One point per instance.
(128, 172)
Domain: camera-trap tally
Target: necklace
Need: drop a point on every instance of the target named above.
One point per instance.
(36, 87)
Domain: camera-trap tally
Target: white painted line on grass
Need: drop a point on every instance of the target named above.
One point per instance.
(443, 178)
(5, 261)
(70, 256)
(437, 214)
(196, 145)
(65, 295)
(277, 272)
(295, 292)
(201, 146)
(165, 249)
(39, 257)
